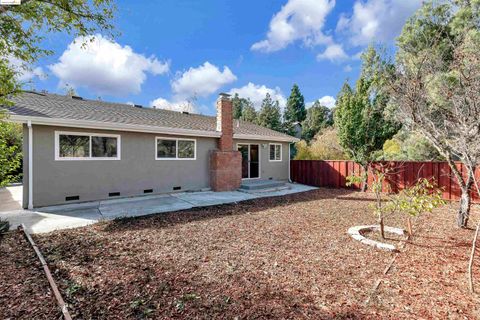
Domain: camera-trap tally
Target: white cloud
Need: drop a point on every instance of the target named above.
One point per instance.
(297, 20)
(105, 67)
(24, 72)
(347, 68)
(180, 106)
(201, 81)
(256, 93)
(334, 53)
(376, 20)
(327, 101)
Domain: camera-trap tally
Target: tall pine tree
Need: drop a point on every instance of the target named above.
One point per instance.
(295, 110)
(238, 104)
(248, 112)
(269, 115)
(318, 117)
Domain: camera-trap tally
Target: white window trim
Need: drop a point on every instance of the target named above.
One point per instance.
(88, 134)
(176, 148)
(281, 152)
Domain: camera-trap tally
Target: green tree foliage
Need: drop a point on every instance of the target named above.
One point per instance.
(318, 117)
(360, 115)
(325, 146)
(423, 196)
(238, 104)
(435, 84)
(10, 152)
(409, 146)
(248, 112)
(295, 111)
(23, 28)
(269, 115)
(302, 151)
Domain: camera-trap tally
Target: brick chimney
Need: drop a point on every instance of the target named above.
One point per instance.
(226, 162)
(225, 122)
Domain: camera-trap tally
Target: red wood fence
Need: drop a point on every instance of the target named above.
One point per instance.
(399, 175)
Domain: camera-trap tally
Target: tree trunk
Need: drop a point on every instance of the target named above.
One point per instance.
(409, 227)
(382, 227)
(465, 186)
(365, 177)
(464, 210)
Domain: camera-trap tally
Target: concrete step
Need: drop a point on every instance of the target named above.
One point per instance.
(261, 184)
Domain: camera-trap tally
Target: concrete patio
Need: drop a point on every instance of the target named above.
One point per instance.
(48, 219)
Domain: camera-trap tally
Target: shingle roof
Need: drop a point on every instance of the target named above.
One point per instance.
(47, 105)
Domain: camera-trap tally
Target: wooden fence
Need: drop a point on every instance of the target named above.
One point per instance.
(399, 175)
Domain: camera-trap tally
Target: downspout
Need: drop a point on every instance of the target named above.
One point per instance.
(289, 179)
(30, 165)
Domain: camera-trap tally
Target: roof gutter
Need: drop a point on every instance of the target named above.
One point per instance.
(111, 126)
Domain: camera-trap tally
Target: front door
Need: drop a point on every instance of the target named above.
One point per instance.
(250, 160)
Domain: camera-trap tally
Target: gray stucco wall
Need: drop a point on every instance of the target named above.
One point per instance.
(136, 171)
(277, 170)
(95, 179)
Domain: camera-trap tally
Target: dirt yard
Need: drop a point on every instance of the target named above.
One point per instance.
(287, 257)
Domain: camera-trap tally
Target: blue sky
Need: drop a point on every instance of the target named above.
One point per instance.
(179, 54)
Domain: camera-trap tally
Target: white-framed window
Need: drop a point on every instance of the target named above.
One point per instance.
(86, 146)
(175, 149)
(275, 152)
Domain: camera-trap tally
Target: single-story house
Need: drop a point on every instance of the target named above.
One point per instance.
(79, 150)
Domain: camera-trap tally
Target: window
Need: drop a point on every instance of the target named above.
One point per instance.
(275, 152)
(86, 146)
(175, 149)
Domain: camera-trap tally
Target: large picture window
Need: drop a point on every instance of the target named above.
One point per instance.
(175, 149)
(86, 146)
(275, 152)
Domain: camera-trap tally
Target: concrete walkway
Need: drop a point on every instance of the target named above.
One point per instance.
(48, 219)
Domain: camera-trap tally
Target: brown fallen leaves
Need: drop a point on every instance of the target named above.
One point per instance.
(284, 257)
(24, 289)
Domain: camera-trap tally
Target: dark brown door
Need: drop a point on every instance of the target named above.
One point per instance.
(243, 148)
(254, 161)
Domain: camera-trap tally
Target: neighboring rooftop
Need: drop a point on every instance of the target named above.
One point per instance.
(37, 105)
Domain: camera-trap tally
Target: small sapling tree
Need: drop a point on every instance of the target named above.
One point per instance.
(377, 188)
(412, 201)
(422, 197)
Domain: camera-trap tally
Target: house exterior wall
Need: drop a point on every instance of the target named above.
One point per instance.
(137, 170)
(95, 179)
(277, 170)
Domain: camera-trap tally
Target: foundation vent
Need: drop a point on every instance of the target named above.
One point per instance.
(148, 191)
(114, 194)
(177, 188)
(72, 198)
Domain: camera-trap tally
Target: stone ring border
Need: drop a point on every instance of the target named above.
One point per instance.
(357, 231)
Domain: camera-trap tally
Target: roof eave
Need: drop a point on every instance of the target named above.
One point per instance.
(266, 138)
(111, 126)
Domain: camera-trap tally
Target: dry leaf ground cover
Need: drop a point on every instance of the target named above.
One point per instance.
(24, 290)
(283, 257)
